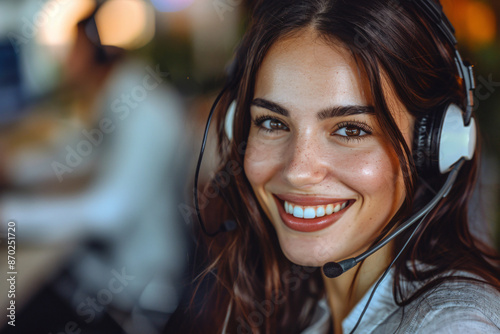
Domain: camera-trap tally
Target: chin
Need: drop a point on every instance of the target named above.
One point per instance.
(314, 255)
(305, 260)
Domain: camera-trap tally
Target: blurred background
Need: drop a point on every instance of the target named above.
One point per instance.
(102, 108)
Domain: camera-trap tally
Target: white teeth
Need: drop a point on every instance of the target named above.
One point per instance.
(298, 212)
(320, 211)
(309, 212)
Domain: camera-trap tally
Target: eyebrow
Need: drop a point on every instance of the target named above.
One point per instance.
(274, 107)
(336, 111)
(339, 111)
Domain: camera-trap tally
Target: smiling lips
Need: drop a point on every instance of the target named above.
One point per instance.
(309, 214)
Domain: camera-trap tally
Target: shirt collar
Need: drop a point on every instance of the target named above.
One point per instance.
(382, 303)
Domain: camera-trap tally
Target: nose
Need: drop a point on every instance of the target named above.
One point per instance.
(305, 166)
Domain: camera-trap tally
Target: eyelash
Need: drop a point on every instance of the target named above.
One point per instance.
(261, 119)
(358, 125)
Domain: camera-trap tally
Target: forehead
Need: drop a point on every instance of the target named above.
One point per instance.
(306, 72)
(306, 69)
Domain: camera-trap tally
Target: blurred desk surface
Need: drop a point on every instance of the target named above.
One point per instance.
(35, 266)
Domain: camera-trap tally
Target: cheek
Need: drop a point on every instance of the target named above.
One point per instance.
(375, 172)
(377, 178)
(261, 161)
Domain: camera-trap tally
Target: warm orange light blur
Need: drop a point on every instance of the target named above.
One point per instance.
(474, 21)
(128, 24)
(480, 23)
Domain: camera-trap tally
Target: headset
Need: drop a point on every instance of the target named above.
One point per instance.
(443, 141)
(103, 54)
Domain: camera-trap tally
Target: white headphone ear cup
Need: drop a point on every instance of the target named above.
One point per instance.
(229, 121)
(456, 140)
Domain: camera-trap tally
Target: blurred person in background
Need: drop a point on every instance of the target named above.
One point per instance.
(109, 186)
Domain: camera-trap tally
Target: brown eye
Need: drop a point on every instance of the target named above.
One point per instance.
(276, 125)
(272, 124)
(352, 131)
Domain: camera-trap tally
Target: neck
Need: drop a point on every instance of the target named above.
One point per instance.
(345, 291)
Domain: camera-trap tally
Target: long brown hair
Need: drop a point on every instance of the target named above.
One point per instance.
(246, 268)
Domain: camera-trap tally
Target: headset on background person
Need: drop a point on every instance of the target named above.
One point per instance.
(443, 141)
(103, 54)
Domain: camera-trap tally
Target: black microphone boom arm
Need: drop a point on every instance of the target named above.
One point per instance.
(334, 269)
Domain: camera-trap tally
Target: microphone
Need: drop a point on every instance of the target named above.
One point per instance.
(335, 269)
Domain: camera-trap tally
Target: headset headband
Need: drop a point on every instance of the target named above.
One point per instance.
(434, 12)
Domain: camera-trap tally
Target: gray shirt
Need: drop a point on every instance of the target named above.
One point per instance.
(452, 307)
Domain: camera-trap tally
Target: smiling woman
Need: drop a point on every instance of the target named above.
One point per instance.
(350, 113)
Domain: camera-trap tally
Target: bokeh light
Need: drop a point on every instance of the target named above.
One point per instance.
(480, 23)
(60, 30)
(475, 22)
(127, 24)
